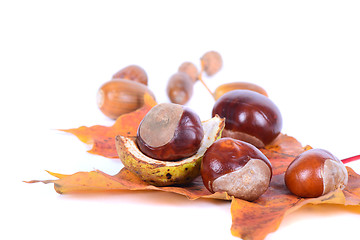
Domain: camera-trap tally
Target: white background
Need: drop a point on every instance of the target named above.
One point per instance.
(54, 55)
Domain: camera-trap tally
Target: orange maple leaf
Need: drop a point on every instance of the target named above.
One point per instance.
(102, 138)
(250, 220)
(255, 220)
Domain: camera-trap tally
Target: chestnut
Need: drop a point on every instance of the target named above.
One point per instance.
(236, 167)
(170, 132)
(314, 173)
(249, 116)
(132, 72)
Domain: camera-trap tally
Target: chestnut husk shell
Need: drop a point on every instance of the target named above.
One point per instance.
(165, 173)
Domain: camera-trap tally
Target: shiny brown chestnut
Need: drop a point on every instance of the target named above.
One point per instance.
(180, 88)
(170, 132)
(236, 167)
(132, 72)
(314, 173)
(249, 116)
(117, 97)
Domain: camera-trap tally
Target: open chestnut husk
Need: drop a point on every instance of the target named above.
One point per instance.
(165, 173)
(250, 117)
(170, 132)
(236, 167)
(314, 173)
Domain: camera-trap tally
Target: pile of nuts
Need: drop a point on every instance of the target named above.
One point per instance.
(171, 136)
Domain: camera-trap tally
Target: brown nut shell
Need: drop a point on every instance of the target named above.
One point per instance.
(212, 62)
(315, 173)
(132, 72)
(227, 87)
(170, 132)
(250, 116)
(118, 97)
(180, 88)
(190, 69)
(236, 167)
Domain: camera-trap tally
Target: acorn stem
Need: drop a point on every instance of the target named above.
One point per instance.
(351, 159)
(202, 81)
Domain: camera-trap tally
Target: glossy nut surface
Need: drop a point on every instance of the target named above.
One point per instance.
(118, 97)
(250, 116)
(170, 132)
(227, 87)
(315, 173)
(132, 72)
(236, 167)
(180, 88)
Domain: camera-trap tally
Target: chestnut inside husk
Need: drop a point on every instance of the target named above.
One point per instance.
(170, 132)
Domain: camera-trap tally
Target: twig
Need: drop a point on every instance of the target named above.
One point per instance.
(202, 81)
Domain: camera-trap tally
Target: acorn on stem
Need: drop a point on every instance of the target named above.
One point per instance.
(190, 69)
(180, 88)
(211, 62)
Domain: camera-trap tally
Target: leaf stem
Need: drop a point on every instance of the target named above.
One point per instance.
(202, 81)
(351, 159)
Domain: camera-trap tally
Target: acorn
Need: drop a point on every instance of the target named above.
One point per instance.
(180, 88)
(212, 62)
(227, 87)
(132, 72)
(117, 97)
